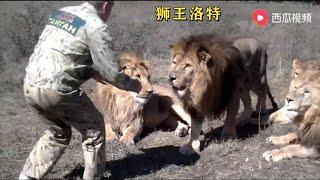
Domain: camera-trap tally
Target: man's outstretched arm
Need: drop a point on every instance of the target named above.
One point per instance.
(105, 61)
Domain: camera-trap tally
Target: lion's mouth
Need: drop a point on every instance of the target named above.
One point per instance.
(293, 110)
(182, 90)
(144, 96)
(141, 101)
(291, 114)
(140, 98)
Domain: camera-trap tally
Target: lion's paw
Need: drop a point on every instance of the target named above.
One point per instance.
(196, 145)
(111, 137)
(273, 155)
(182, 130)
(127, 141)
(275, 140)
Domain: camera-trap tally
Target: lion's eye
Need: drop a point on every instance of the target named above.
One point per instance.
(138, 76)
(174, 62)
(296, 74)
(306, 92)
(188, 65)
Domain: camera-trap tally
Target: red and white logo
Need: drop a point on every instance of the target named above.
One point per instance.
(260, 16)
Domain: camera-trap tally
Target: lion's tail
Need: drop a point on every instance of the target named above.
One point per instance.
(263, 66)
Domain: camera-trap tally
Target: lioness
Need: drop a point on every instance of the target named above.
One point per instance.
(128, 113)
(210, 78)
(302, 107)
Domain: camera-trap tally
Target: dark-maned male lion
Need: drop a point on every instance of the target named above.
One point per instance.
(254, 57)
(127, 113)
(210, 78)
(302, 107)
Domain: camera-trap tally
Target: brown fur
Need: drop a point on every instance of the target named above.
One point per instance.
(309, 132)
(303, 108)
(254, 57)
(119, 107)
(158, 109)
(215, 94)
(209, 76)
(122, 113)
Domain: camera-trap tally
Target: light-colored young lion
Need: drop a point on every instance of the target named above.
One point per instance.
(210, 77)
(302, 107)
(127, 113)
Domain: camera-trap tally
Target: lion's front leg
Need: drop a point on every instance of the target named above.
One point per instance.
(247, 112)
(229, 129)
(181, 130)
(130, 133)
(194, 143)
(261, 104)
(290, 151)
(182, 113)
(282, 140)
(110, 134)
(174, 123)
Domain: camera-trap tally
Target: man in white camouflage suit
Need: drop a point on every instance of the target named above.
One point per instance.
(73, 47)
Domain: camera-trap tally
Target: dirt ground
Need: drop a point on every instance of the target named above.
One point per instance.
(156, 153)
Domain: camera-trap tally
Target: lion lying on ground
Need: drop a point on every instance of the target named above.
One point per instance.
(302, 107)
(126, 113)
(210, 78)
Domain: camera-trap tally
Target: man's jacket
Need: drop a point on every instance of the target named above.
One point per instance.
(73, 47)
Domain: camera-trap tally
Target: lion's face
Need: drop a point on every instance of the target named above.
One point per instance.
(304, 90)
(135, 68)
(185, 66)
(181, 74)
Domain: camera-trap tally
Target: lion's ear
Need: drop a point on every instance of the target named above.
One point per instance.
(296, 63)
(123, 63)
(204, 55)
(123, 66)
(144, 63)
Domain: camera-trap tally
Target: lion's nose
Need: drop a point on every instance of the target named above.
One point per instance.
(150, 91)
(288, 99)
(172, 76)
